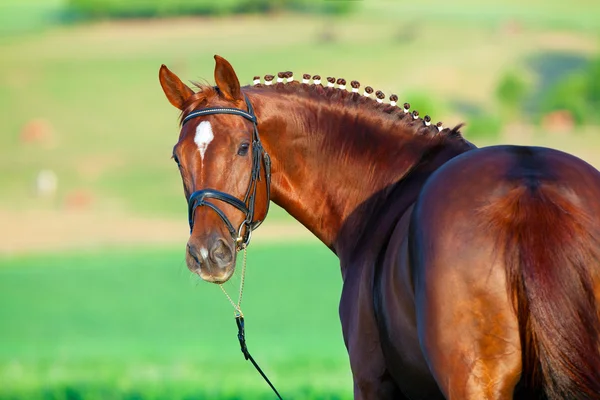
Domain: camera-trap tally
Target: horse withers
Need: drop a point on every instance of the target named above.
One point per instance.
(467, 273)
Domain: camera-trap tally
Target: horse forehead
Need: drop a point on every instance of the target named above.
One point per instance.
(204, 133)
(210, 132)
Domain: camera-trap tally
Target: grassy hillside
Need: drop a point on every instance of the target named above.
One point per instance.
(96, 90)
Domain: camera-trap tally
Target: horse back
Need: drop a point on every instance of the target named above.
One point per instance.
(504, 242)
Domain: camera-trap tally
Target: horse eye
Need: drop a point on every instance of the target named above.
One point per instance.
(176, 160)
(243, 150)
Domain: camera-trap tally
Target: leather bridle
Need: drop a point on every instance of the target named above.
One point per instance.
(241, 236)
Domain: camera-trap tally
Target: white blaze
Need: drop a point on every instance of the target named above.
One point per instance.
(204, 135)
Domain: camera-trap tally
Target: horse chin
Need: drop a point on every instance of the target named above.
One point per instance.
(220, 278)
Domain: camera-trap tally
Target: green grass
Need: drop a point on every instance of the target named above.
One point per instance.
(111, 324)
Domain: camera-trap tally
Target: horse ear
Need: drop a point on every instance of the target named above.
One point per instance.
(176, 91)
(226, 79)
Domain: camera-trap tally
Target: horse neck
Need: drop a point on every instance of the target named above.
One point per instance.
(331, 167)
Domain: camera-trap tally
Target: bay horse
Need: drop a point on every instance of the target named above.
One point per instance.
(468, 273)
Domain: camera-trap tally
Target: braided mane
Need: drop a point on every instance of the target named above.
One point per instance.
(286, 84)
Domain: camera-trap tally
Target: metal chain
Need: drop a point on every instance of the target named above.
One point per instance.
(242, 277)
(238, 310)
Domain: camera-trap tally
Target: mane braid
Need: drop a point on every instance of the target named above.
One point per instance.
(412, 120)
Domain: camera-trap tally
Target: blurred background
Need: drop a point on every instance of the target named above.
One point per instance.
(95, 298)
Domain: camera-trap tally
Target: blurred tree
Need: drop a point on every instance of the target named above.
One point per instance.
(593, 85)
(484, 126)
(511, 93)
(163, 8)
(569, 94)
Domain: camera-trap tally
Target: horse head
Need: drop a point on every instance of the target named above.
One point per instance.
(224, 169)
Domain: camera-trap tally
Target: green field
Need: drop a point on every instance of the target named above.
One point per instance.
(126, 325)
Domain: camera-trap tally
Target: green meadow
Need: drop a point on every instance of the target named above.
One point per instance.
(119, 324)
(112, 320)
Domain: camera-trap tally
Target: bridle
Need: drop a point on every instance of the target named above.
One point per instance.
(241, 236)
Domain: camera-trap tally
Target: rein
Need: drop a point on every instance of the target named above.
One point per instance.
(241, 239)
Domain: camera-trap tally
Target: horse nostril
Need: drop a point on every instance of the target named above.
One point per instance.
(193, 253)
(221, 253)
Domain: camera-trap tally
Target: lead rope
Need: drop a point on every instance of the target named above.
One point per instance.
(238, 310)
(239, 321)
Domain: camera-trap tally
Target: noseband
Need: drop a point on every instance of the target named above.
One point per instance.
(199, 198)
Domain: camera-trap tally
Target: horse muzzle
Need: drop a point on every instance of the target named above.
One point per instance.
(213, 260)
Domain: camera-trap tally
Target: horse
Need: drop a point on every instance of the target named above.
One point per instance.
(468, 273)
